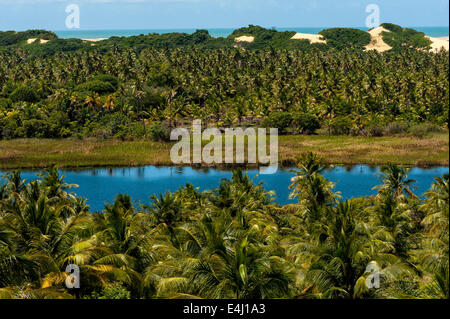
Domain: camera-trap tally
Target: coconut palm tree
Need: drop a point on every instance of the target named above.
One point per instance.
(344, 249)
(435, 255)
(395, 179)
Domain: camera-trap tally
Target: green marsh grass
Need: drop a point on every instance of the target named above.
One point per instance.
(71, 152)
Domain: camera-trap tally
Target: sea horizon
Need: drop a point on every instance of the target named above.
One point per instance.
(440, 31)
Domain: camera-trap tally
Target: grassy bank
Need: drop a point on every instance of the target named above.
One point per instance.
(37, 153)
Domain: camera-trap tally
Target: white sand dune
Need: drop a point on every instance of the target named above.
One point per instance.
(313, 38)
(94, 40)
(438, 43)
(41, 41)
(376, 42)
(245, 38)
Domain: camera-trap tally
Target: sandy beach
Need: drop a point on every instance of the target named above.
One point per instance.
(439, 43)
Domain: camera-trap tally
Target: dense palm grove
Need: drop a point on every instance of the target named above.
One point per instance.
(130, 93)
(231, 242)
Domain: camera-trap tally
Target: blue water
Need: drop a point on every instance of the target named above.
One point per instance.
(224, 32)
(101, 185)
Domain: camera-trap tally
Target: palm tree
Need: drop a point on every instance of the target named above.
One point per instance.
(395, 179)
(241, 271)
(165, 212)
(437, 204)
(435, 254)
(344, 250)
(308, 165)
(40, 231)
(120, 239)
(14, 182)
(55, 183)
(313, 191)
(397, 221)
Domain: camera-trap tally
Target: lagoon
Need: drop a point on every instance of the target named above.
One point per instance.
(101, 185)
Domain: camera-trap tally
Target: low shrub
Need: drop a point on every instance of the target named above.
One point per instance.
(340, 38)
(421, 130)
(96, 86)
(36, 128)
(280, 120)
(375, 130)
(305, 123)
(5, 103)
(400, 38)
(159, 133)
(395, 128)
(115, 290)
(340, 126)
(106, 78)
(24, 94)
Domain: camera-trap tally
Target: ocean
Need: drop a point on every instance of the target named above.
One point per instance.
(95, 34)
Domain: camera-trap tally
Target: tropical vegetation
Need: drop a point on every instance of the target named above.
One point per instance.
(229, 242)
(139, 94)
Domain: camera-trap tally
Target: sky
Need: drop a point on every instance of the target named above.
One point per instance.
(176, 14)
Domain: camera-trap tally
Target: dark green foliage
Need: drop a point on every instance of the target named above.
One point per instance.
(24, 94)
(200, 38)
(392, 27)
(265, 38)
(341, 125)
(55, 46)
(96, 86)
(106, 78)
(113, 291)
(5, 103)
(341, 38)
(35, 128)
(280, 120)
(306, 123)
(11, 37)
(404, 38)
(159, 133)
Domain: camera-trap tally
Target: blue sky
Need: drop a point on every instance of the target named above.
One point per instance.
(171, 14)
